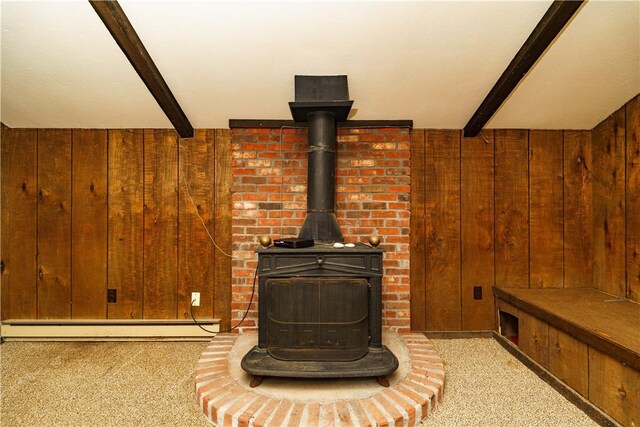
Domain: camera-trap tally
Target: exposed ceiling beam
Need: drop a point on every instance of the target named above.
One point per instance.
(125, 35)
(553, 21)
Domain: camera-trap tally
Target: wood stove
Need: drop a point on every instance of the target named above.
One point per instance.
(320, 314)
(320, 307)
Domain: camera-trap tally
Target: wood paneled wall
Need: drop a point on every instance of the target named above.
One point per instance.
(616, 202)
(87, 210)
(510, 207)
(84, 211)
(520, 208)
(632, 202)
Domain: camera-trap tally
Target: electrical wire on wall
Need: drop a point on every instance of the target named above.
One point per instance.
(255, 275)
(204, 225)
(253, 292)
(195, 210)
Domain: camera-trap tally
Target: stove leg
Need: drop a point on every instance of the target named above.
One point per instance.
(255, 381)
(383, 381)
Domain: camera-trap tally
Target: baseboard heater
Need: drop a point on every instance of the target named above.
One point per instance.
(107, 330)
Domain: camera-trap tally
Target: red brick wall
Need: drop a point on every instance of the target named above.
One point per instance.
(372, 197)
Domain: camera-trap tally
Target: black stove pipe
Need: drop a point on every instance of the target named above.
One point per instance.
(321, 223)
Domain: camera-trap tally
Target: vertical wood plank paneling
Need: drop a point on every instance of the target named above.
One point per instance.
(222, 235)
(195, 249)
(418, 233)
(578, 209)
(89, 224)
(633, 198)
(609, 204)
(442, 204)
(19, 222)
(534, 338)
(512, 208)
(125, 243)
(6, 148)
(614, 388)
(54, 224)
(160, 224)
(569, 360)
(545, 209)
(477, 231)
(595, 209)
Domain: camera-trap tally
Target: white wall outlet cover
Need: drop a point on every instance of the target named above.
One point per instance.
(195, 299)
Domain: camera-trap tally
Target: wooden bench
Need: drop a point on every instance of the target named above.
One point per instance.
(588, 339)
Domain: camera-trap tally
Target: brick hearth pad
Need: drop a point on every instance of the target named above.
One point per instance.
(226, 399)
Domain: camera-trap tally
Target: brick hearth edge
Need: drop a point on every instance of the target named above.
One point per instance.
(226, 403)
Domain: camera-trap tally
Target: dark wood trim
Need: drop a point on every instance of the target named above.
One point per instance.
(376, 123)
(257, 123)
(623, 354)
(126, 37)
(450, 335)
(567, 392)
(554, 20)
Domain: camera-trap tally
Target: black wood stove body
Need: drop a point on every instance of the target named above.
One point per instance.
(319, 308)
(320, 314)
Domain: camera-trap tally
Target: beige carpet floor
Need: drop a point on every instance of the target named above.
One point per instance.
(487, 386)
(151, 384)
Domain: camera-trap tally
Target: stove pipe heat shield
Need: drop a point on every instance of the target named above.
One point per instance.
(321, 101)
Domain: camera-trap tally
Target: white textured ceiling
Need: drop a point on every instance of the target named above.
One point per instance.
(432, 62)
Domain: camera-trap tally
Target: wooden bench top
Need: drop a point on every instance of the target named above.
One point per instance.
(606, 322)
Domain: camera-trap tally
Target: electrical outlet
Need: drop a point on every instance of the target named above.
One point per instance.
(195, 299)
(112, 295)
(477, 292)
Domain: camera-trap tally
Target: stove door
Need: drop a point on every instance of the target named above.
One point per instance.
(317, 319)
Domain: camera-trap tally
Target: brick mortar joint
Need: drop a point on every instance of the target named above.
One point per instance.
(373, 151)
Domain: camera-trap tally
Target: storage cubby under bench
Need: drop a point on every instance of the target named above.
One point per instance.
(588, 339)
